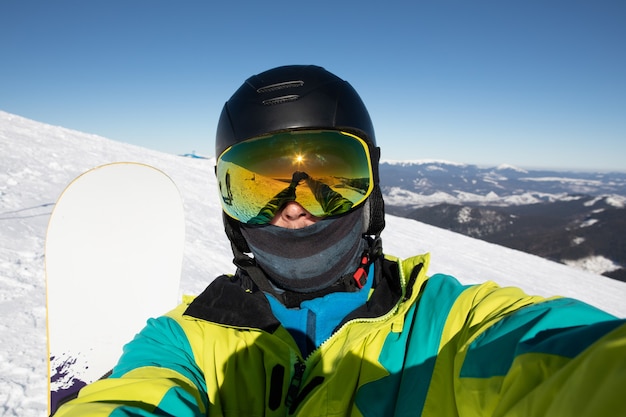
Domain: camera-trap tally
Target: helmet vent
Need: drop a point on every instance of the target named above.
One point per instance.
(280, 86)
(281, 99)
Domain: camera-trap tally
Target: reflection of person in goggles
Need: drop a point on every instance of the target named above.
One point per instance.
(228, 198)
(331, 201)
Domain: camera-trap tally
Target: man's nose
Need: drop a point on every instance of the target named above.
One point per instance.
(293, 216)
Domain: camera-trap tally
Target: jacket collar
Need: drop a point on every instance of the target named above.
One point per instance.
(236, 301)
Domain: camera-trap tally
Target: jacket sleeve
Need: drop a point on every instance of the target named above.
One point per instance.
(483, 350)
(518, 355)
(156, 375)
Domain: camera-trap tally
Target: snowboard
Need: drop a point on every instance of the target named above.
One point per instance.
(113, 257)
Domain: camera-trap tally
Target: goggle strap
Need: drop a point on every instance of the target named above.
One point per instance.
(375, 159)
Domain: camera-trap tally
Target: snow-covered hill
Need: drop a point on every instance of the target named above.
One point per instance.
(38, 160)
(574, 217)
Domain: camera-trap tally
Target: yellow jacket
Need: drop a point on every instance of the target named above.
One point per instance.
(420, 347)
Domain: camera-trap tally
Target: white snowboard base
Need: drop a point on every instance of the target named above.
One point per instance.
(114, 250)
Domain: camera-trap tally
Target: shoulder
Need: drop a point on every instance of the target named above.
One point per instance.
(472, 309)
(439, 288)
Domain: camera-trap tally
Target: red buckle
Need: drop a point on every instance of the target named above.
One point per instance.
(360, 276)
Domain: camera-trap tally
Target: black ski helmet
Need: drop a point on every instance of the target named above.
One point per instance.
(297, 97)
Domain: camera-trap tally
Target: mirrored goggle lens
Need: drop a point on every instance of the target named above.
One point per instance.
(326, 172)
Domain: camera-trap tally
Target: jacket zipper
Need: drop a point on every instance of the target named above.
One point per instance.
(296, 381)
(300, 366)
(391, 312)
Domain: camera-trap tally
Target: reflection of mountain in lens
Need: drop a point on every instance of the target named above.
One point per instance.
(359, 185)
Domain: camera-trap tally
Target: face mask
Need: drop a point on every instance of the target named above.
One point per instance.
(311, 258)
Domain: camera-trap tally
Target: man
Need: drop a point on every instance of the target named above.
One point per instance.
(318, 321)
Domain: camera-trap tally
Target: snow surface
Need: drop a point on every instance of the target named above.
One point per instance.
(508, 167)
(397, 196)
(38, 160)
(595, 264)
(579, 181)
(423, 162)
(617, 201)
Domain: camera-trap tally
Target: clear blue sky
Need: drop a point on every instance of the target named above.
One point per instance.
(533, 83)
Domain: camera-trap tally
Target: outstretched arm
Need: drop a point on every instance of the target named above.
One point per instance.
(266, 214)
(331, 201)
(156, 375)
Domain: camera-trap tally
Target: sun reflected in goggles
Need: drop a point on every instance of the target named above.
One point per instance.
(327, 172)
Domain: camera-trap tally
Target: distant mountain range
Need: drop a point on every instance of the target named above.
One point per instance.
(577, 218)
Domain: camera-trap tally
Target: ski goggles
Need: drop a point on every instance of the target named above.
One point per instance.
(327, 172)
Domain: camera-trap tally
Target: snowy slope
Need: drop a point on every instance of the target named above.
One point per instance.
(38, 160)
